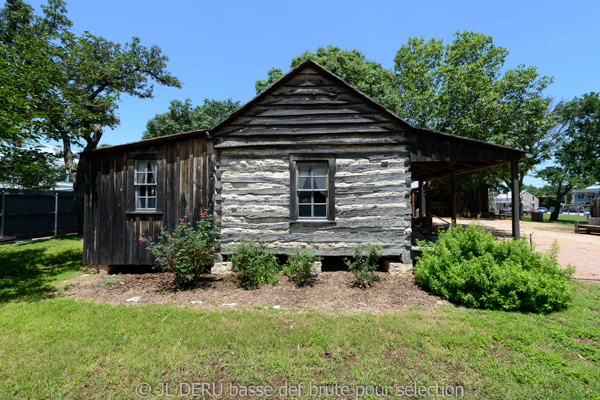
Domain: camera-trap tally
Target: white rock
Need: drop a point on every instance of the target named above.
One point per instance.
(196, 302)
(134, 299)
(277, 307)
(229, 304)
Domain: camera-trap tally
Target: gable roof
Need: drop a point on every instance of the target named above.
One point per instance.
(302, 66)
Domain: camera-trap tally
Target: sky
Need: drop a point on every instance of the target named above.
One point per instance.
(218, 49)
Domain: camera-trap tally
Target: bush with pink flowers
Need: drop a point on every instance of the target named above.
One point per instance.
(188, 251)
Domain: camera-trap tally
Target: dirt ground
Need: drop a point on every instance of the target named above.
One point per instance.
(581, 250)
(330, 291)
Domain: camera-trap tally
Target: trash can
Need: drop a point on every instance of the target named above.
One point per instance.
(537, 216)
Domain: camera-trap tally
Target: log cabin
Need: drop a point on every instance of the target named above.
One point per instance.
(309, 160)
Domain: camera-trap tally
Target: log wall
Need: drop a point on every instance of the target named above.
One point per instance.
(372, 200)
(312, 112)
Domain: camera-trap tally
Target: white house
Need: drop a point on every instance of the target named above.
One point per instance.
(528, 199)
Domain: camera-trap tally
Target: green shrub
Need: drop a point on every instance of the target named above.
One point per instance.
(253, 262)
(187, 252)
(469, 267)
(300, 266)
(365, 263)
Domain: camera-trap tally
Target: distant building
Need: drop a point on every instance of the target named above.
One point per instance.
(528, 199)
(582, 197)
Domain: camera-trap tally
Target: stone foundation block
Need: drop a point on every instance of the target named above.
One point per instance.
(222, 268)
(394, 267)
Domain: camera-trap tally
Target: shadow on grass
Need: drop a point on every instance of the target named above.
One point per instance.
(29, 269)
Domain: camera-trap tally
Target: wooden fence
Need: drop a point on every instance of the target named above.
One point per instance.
(36, 213)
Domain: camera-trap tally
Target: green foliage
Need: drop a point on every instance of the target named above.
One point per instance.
(181, 117)
(58, 85)
(365, 263)
(368, 76)
(300, 265)
(463, 88)
(274, 75)
(187, 251)
(577, 159)
(29, 169)
(469, 267)
(253, 262)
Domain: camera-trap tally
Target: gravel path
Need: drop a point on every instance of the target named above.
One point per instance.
(581, 250)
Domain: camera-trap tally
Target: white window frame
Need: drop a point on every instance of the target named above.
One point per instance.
(141, 170)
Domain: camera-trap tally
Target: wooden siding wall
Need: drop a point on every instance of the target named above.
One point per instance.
(312, 113)
(112, 226)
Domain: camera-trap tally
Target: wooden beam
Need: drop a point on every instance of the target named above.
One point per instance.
(421, 200)
(516, 198)
(453, 204)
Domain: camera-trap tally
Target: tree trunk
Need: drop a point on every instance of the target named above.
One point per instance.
(80, 183)
(559, 195)
(80, 187)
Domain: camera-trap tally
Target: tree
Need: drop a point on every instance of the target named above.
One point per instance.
(28, 68)
(181, 117)
(29, 169)
(368, 76)
(274, 75)
(577, 158)
(459, 88)
(81, 79)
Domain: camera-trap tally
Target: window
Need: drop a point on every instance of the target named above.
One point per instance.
(145, 185)
(312, 188)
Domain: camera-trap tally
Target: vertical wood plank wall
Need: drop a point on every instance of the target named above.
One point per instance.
(112, 226)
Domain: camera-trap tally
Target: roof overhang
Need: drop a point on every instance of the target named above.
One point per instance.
(147, 142)
(435, 155)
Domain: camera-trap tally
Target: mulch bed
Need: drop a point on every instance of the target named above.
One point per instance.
(330, 291)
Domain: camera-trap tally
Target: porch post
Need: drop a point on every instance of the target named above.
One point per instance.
(453, 203)
(421, 199)
(516, 198)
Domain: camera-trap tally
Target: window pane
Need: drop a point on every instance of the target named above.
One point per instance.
(150, 178)
(320, 211)
(319, 168)
(304, 197)
(304, 211)
(141, 202)
(320, 183)
(320, 197)
(151, 166)
(139, 177)
(303, 169)
(140, 166)
(303, 183)
(151, 190)
(152, 202)
(142, 191)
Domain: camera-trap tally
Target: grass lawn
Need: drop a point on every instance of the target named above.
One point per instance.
(564, 219)
(59, 348)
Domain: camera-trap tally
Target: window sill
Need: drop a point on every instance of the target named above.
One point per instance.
(149, 212)
(308, 223)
